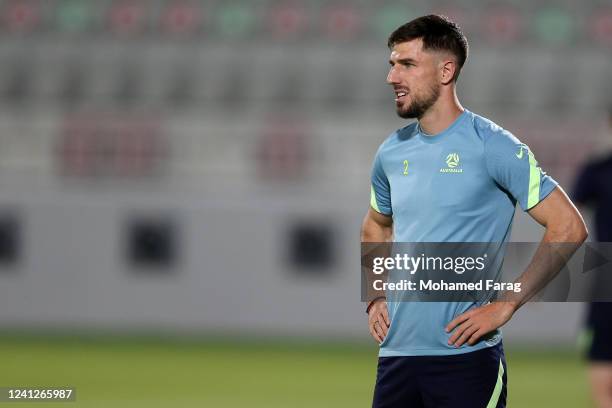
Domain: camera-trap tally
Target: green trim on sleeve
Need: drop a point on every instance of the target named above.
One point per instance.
(498, 387)
(373, 202)
(534, 182)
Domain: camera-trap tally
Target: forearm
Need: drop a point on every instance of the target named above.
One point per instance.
(554, 251)
(552, 254)
(376, 229)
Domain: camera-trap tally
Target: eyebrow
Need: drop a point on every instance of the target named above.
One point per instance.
(403, 61)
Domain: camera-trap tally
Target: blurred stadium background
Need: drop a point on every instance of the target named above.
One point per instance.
(183, 184)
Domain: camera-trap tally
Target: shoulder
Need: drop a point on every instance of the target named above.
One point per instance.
(491, 133)
(401, 135)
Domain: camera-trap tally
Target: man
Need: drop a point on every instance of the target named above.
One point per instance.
(450, 354)
(593, 188)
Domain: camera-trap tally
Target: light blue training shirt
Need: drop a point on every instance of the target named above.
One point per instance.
(460, 185)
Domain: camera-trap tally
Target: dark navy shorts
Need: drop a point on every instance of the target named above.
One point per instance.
(599, 323)
(471, 380)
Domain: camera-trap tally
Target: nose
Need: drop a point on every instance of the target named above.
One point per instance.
(392, 77)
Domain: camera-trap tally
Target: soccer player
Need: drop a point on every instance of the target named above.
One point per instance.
(450, 354)
(593, 187)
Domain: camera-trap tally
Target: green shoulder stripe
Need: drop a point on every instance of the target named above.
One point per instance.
(534, 182)
(373, 202)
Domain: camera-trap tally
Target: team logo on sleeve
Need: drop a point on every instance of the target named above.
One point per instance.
(519, 155)
(453, 164)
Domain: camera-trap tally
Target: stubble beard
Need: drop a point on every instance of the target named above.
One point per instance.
(419, 106)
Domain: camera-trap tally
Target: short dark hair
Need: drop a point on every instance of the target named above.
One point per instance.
(438, 33)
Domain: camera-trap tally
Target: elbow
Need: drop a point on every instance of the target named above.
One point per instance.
(568, 228)
(577, 231)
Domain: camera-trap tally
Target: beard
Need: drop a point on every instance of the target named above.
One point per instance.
(419, 105)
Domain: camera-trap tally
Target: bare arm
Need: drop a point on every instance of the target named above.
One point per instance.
(565, 232)
(377, 227)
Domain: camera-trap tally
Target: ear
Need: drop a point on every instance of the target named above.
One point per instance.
(447, 72)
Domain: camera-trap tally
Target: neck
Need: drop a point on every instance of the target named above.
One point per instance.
(442, 114)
